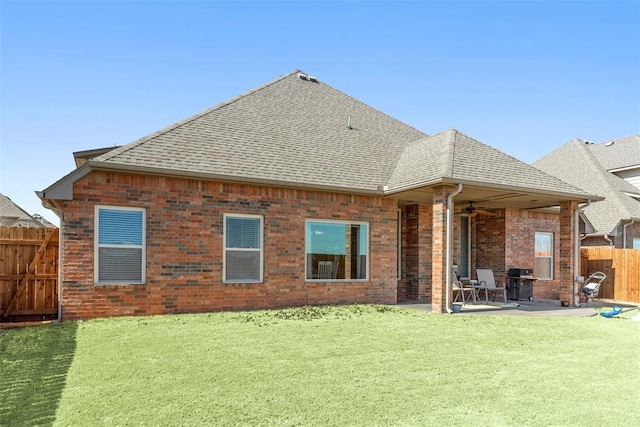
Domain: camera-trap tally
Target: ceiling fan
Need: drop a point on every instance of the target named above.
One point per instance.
(473, 211)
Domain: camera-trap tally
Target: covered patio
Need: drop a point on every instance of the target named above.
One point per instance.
(464, 203)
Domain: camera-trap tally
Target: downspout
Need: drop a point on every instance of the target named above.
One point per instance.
(624, 233)
(576, 252)
(448, 251)
(606, 237)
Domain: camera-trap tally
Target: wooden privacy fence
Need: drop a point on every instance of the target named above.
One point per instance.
(28, 273)
(622, 267)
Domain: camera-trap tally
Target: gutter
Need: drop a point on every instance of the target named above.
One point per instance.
(606, 237)
(576, 252)
(448, 251)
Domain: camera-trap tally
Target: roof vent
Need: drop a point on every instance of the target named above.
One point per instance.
(304, 76)
(609, 144)
(349, 123)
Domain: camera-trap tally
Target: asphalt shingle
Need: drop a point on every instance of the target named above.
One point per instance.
(589, 170)
(290, 130)
(294, 131)
(458, 157)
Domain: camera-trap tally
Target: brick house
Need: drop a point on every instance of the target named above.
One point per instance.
(610, 169)
(295, 194)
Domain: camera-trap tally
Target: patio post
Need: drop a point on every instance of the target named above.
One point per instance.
(439, 248)
(566, 261)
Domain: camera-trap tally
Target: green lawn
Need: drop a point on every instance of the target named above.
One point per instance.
(355, 365)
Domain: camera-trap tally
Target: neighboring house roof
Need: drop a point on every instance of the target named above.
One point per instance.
(621, 153)
(12, 215)
(589, 169)
(298, 131)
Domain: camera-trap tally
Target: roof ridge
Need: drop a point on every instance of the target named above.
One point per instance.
(407, 145)
(448, 153)
(124, 148)
(590, 156)
(617, 139)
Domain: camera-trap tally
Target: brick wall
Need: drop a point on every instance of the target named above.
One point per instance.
(488, 244)
(184, 244)
(597, 241)
(417, 233)
(520, 229)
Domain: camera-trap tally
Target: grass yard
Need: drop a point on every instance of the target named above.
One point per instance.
(323, 366)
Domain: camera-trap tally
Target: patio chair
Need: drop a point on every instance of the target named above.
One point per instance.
(460, 288)
(325, 268)
(487, 282)
(592, 285)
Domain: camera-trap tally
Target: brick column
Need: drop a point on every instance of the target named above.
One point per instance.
(439, 249)
(565, 263)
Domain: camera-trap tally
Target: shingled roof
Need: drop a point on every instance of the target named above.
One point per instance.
(298, 131)
(589, 170)
(456, 157)
(12, 215)
(291, 130)
(619, 153)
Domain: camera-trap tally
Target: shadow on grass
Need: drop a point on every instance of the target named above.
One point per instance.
(34, 362)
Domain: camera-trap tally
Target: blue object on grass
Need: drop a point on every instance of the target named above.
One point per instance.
(615, 310)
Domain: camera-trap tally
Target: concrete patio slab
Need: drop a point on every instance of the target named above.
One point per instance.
(536, 308)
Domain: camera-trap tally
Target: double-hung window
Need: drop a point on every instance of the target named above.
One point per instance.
(120, 245)
(337, 250)
(243, 254)
(544, 255)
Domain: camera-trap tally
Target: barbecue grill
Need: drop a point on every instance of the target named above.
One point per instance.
(520, 284)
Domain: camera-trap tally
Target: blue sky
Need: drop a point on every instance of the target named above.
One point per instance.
(523, 77)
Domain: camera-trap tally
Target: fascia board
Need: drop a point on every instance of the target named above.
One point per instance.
(572, 196)
(63, 188)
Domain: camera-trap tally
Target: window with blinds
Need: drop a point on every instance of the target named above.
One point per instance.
(120, 245)
(243, 257)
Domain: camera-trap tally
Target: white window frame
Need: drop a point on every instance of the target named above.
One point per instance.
(97, 246)
(333, 221)
(467, 219)
(551, 256)
(225, 249)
